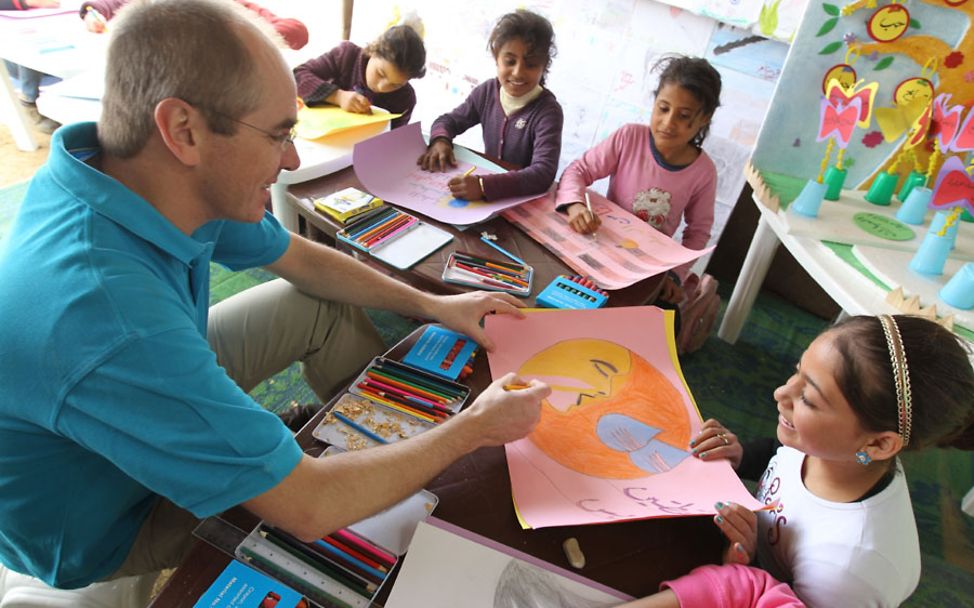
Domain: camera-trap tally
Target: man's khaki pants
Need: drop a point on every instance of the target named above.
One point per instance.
(256, 334)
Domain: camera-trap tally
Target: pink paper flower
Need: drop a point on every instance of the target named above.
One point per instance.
(872, 139)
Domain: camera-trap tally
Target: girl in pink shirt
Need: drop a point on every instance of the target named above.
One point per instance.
(657, 171)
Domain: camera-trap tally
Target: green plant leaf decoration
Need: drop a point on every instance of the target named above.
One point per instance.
(831, 47)
(827, 27)
(830, 9)
(884, 63)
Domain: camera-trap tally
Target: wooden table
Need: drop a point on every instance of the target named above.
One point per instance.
(475, 493)
(426, 275)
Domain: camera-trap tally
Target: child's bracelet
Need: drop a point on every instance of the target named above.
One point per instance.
(482, 192)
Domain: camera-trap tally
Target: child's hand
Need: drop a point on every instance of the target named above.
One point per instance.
(714, 442)
(740, 527)
(354, 102)
(670, 291)
(466, 187)
(582, 220)
(438, 157)
(93, 23)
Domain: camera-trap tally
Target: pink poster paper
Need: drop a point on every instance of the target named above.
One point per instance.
(386, 166)
(626, 250)
(612, 441)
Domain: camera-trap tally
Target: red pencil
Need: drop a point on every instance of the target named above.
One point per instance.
(366, 546)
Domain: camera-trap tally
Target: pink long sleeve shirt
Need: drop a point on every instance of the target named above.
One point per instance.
(639, 184)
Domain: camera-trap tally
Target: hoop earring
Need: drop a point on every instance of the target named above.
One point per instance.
(863, 458)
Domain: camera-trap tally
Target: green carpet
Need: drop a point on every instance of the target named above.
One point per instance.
(734, 384)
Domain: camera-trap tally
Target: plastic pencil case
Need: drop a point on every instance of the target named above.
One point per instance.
(346, 568)
(381, 424)
(456, 274)
(457, 393)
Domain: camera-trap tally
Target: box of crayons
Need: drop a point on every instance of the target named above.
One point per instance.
(482, 273)
(572, 292)
(441, 351)
(395, 237)
(345, 568)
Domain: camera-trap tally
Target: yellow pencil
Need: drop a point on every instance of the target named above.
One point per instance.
(469, 171)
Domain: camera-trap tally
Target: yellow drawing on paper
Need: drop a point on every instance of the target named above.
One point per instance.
(611, 414)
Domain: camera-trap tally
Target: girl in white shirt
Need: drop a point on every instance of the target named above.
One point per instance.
(842, 531)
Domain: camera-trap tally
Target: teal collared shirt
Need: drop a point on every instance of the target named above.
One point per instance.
(111, 395)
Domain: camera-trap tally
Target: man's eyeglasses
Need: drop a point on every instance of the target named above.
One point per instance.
(281, 139)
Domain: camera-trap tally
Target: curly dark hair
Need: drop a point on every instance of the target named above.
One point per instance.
(532, 28)
(402, 46)
(696, 75)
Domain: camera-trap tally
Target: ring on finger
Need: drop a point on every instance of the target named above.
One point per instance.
(724, 438)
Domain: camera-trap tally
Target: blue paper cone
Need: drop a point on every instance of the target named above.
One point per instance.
(809, 199)
(932, 254)
(834, 179)
(959, 290)
(882, 188)
(914, 209)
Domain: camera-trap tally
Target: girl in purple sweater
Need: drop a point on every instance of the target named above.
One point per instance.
(657, 171)
(521, 119)
(356, 78)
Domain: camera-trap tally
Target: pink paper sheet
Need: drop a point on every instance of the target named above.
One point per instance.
(558, 473)
(386, 166)
(626, 249)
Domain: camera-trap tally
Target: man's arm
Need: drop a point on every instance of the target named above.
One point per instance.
(324, 494)
(325, 273)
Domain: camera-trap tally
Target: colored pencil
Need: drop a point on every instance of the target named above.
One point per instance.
(386, 226)
(493, 275)
(490, 266)
(358, 427)
(338, 544)
(408, 395)
(504, 251)
(322, 560)
(437, 413)
(479, 279)
(356, 540)
(355, 230)
(449, 390)
(412, 410)
(486, 261)
(339, 554)
(405, 384)
(391, 233)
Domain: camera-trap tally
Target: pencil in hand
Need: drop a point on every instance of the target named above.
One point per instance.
(588, 205)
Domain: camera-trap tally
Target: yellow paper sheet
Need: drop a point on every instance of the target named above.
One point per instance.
(314, 123)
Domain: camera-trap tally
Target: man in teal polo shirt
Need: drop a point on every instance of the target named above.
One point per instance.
(124, 415)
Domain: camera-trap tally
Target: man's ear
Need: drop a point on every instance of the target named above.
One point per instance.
(180, 125)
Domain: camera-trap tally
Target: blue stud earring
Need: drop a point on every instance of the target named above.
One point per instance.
(863, 458)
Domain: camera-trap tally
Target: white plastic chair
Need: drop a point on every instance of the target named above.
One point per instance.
(22, 591)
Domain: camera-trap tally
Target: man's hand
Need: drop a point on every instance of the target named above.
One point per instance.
(582, 220)
(463, 312)
(438, 157)
(466, 187)
(671, 292)
(501, 415)
(351, 101)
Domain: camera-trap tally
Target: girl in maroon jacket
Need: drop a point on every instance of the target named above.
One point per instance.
(356, 78)
(521, 119)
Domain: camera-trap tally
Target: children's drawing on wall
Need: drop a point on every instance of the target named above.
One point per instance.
(612, 443)
(746, 52)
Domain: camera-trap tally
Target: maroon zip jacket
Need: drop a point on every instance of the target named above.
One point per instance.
(529, 138)
(343, 67)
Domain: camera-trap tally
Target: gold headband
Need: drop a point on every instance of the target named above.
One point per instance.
(901, 377)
